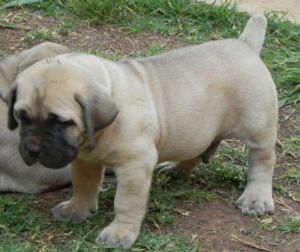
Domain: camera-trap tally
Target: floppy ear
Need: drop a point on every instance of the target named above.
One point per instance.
(97, 113)
(11, 100)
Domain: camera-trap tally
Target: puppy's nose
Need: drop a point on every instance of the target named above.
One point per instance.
(33, 145)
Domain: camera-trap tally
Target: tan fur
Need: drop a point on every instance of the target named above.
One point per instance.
(14, 174)
(86, 181)
(172, 107)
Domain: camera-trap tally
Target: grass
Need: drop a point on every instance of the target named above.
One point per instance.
(26, 226)
(3, 53)
(291, 145)
(39, 35)
(293, 175)
(291, 226)
(194, 23)
(137, 54)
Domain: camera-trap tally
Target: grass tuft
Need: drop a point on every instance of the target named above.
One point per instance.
(292, 226)
(293, 174)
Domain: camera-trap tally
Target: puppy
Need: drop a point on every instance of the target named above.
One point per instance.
(132, 114)
(14, 174)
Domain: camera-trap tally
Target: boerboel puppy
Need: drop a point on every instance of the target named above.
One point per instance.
(15, 175)
(131, 115)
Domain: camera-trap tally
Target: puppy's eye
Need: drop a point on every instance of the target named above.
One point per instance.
(17, 113)
(22, 116)
(67, 123)
(20, 113)
(54, 118)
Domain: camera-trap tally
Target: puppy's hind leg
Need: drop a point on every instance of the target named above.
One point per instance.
(210, 151)
(185, 166)
(257, 197)
(188, 165)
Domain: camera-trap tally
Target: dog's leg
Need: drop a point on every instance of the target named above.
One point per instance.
(188, 165)
(206, 155)
(257, 197)
(134, 180)
(86, 180)
(179, 167)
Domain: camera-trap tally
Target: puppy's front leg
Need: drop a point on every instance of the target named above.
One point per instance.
(134, 180)
(86, 180)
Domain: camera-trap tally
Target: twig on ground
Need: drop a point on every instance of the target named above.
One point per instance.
(289, 115)
(281, 202)
(293, 241)
(292, 154)
(294, 196)
(249, 244)
(279, 143)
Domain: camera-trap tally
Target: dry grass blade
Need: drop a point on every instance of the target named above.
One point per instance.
(13, 27)
(20, 3)
(249, 244)
(281, 202)
(279, 143)
(289, 115)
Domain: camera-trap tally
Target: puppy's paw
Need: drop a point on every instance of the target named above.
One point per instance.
(118, 235)
(256, 200)
(70, 211)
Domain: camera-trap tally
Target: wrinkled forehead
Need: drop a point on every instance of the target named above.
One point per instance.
(39, 104)
(40, 92)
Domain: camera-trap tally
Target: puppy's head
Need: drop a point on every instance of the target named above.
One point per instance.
(57, 104)
(13, 65)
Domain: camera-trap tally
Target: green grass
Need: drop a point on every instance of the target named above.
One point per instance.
(3, 53)
(29, 226)
(227, 170)
(39, 35)
(291, 145)
(25, 226)
(293, 174)
(291, 226)
(155, 49)
(194, 23)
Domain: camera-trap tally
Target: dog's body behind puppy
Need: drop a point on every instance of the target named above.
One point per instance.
(132, 114)
(15, 176)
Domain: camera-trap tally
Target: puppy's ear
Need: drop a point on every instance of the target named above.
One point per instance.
(98, 112)
(11, 100)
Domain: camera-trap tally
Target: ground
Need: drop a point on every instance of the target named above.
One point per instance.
(191, 213)
(291, 7)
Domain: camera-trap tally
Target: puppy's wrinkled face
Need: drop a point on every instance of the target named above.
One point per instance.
(47, 135)
(51, 141)
(57, 105)
(48, 117)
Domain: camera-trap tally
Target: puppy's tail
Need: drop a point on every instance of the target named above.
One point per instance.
(254, 32)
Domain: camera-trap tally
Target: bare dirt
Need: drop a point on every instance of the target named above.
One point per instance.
(218, 225)
(107, 38)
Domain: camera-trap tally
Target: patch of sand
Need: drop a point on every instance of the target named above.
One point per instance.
(290, 7)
